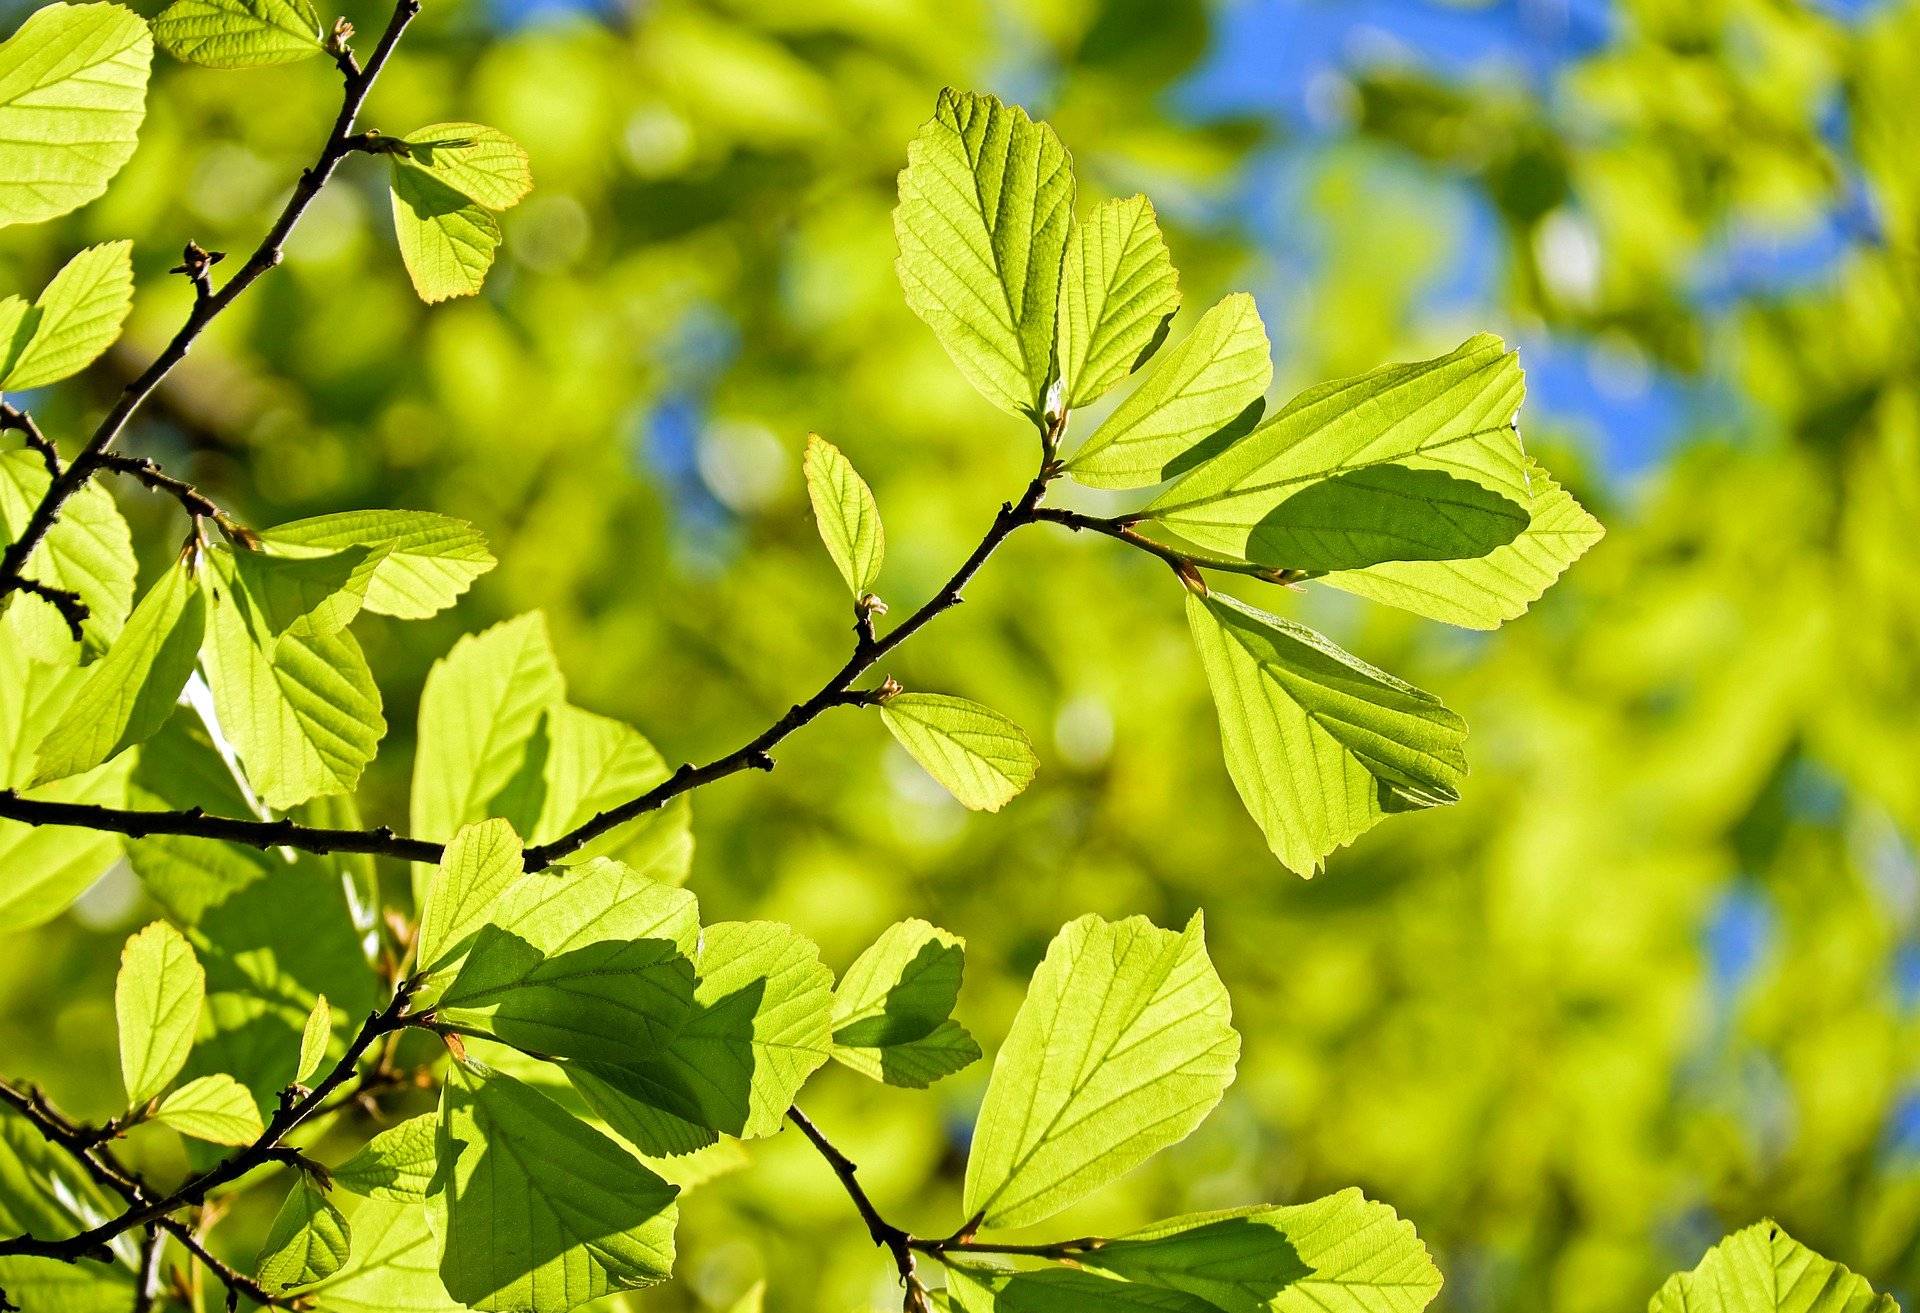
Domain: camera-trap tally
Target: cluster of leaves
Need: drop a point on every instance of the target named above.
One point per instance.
(598, 1038)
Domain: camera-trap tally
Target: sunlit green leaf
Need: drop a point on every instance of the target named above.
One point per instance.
(483, 164)
(314, 1038)
(543, 1212)
(1764, 1270)
(75, 320)
(88, 551)
(156, 1001)
(216, 1108)
(397, 1164)
(73, 89)
(394, 1266)
(43, 1192)
(1060, 1290)
(978, 755)
(892, 1010)
(423, 561)
(566, 907)
(1320, 744)
(1122, 1046)
(447, 241)
(239, 33)
(845, 513)
(308, 1241)
(1118, 291)
(308, 595)
(480, 862)
(982, 222)
(1195, 390)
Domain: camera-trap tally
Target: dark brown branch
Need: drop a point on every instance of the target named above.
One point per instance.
(19, 421)
(296, 1106)
(893, 1239)
(1184, 564)
(138, 823)
(208, 304)
(151, 476)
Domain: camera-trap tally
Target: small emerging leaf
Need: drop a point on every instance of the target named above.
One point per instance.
(216, 1108)
(844, 511)
(156, 1000)
(978, 755)
(314, 1038)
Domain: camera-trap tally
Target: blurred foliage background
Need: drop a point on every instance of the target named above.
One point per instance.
(1656, 976)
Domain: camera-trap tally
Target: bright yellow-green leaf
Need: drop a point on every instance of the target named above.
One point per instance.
(483, 164)
(314, 1038)
(479, 864)
(156, 1001)
(88, 551)
(845, 513)
(1195, 391)
(216, 1108)
(982, 222)
(423, 561)
(1122, 1046)
(308, 1241)
(447, 241)
(1118, 291)
(239, 33)
(1764, 1270)
(73, 89)
(397, 1164)
(978, 755)
(77, 318)
(1320, 744)
(312, 596)
(892, 1011)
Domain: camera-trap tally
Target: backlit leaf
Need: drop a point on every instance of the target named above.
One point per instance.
(978, 755)
(314, 1038)
(1118, 290)
(216, 1108)
(892, 1010)
(239, 33)
(845, 513)
(76, 319)
(1764, 1270)
(308, 1241)
(424, 562)
(479, 864)
(397, 1164)
(483, 164)
(156, 1001)
(446, 240)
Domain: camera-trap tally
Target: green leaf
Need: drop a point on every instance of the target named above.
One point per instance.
(1453, 415)
(480, 707)
(314, 1038)
(239, 33)
(129, 693)
(1060, 1290)
(47, 866)
(543, 1212)
(479, 863)
(302, 711)
(892, 1009)
(978, 755)
(1487, 592)
(483, 164)
(447, 241)
(397, 1164)
(1340, 1254)
(761, 1024)
(394, 1266)
(1118, 292)
(76, 319)
(985, 201)
(308, 1241)
(1122, 1047)
(423, 561)
(44, 1193)
(1320, 744)
(1764, 1270)
(1197, 390)
(308, 595)
(156, 1001)
(73, 89)
(845, 513)
(88, 551)
(216, 1108)
(567, 907)
(608, 1001)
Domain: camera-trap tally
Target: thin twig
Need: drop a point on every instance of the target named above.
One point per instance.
(893, 1239)
(68, 603)
(18, 420)
(191, 499)
(208, 304)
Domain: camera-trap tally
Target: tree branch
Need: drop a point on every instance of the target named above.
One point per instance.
(207, 304)
(296, 1106)
(18, 420)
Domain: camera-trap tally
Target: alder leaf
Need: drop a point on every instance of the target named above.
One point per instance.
(483, 164)
(76, 319)
(1452, 415)
(1118, 293)
(892, 1009)
(1059, 1290)
(480, 707)
(308, 595)
(423, 561)
(216, 1108)
(156, 1001)
(1122, 1046)
(397, 1164)
(543, 1212)
(1320, 744)
(73, 90)
(478, 865)
(978, 755)
(308, 1241)
(1497, 587)
(845, 513)
(1196, 391)
(566, 907)
(1340, 1254)
(394, 1266)
(89, 551)
(239, 33)
(314, 1038)
(129, 693)
(302, 711)
(1764, 1270)
(446, 240)
(985, 201)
